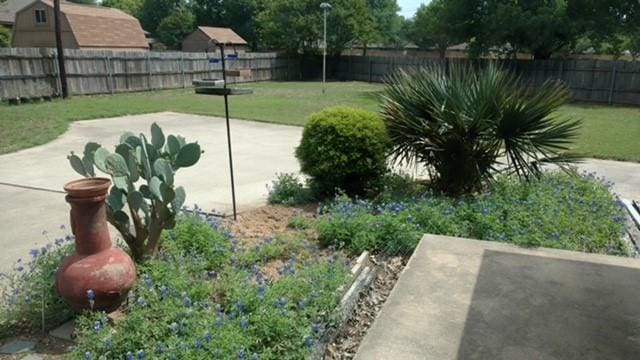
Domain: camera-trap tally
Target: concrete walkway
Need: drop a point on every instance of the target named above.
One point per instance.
(31, 180)
(469, 299)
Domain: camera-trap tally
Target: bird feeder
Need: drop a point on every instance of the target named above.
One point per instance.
(218, 87)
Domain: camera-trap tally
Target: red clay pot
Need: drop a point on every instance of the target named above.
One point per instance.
(97, 266)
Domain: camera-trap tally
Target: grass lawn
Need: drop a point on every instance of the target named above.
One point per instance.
(608, 132)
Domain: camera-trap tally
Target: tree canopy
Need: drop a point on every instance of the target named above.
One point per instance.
(540, 27)
(296, 26)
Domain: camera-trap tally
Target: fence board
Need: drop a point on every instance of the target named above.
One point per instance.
(612, 82)
(33, 73)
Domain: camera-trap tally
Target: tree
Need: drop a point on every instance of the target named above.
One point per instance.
(430, 28)
(387, 21)
(5, 37)
(296, 26)
(541, 27)
(131, 7)
(175, 27)
(239, 15)
(153, 12)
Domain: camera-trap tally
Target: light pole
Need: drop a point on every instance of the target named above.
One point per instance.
(325, 6)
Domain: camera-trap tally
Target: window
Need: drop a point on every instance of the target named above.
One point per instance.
(41, 16)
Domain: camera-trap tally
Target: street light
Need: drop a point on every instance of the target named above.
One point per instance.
(325, 6)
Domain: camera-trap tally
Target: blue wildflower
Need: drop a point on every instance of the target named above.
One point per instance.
(34, 253)
(91, 295)
(309, 341)
(244, 324)
(174, 327)
(255, 357)
(159, 348)
(97, 326)
(130, 356)
(88, 356)
(316, 328)
(141, 355)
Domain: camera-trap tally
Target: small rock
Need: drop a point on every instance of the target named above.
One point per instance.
(32, 357)
(64, 331)
(17, 347)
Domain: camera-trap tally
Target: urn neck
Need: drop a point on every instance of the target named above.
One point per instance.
(88, 215)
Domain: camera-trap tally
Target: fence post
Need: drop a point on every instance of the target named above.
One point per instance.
(149, 72)
(182, 70)
(107, 64)
(613, 84)
(126, 71)
(56, 73)
(370, 70)
(561, 69)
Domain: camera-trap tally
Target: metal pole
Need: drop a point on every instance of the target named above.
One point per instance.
(324, 55)
(226, 114)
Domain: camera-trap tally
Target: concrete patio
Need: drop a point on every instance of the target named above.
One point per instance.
(31, 180)
(470, 299)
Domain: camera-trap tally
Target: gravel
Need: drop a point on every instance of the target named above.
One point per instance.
(367, 308)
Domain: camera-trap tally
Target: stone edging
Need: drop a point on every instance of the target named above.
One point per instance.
(364, 272)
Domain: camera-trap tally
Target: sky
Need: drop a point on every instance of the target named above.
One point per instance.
(409, 7)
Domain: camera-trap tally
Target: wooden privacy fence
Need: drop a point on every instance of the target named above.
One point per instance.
(33, 73)
(612, 82)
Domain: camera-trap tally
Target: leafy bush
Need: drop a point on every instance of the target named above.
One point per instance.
(30, 301)
(286, 189)
(343, 148)
(191, 304)
(5, 37)
(459, 121)
(557, 211)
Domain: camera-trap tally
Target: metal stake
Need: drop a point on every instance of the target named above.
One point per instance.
(226, 113)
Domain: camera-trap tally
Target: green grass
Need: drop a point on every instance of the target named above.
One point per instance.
(608, 132)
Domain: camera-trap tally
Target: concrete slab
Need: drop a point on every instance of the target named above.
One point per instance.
(260, 150)
(17, 347)
(469, 299)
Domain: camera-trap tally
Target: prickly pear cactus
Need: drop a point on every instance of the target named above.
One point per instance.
(141, 212)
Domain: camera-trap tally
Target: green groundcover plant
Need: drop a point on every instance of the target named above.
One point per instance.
(205, 297)
(556, 211)
(28, 298)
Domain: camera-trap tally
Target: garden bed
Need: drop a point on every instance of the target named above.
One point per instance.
(234, 288)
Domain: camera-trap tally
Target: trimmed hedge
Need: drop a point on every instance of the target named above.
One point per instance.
(343, 149)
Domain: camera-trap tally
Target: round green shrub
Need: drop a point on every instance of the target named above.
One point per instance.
(343, 148)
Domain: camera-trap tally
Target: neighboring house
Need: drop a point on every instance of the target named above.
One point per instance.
(204, 39)
(8, 10)
(83, 27)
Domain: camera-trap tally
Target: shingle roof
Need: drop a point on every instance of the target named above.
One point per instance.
(9, 8)
(97, 26)
(222, 35)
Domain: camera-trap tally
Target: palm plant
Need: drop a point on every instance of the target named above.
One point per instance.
(461, 122)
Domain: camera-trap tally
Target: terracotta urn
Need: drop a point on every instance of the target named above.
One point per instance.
(98, 276)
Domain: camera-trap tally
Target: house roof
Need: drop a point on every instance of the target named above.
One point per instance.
(222, 35)
(9, 8)
(98, 26)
